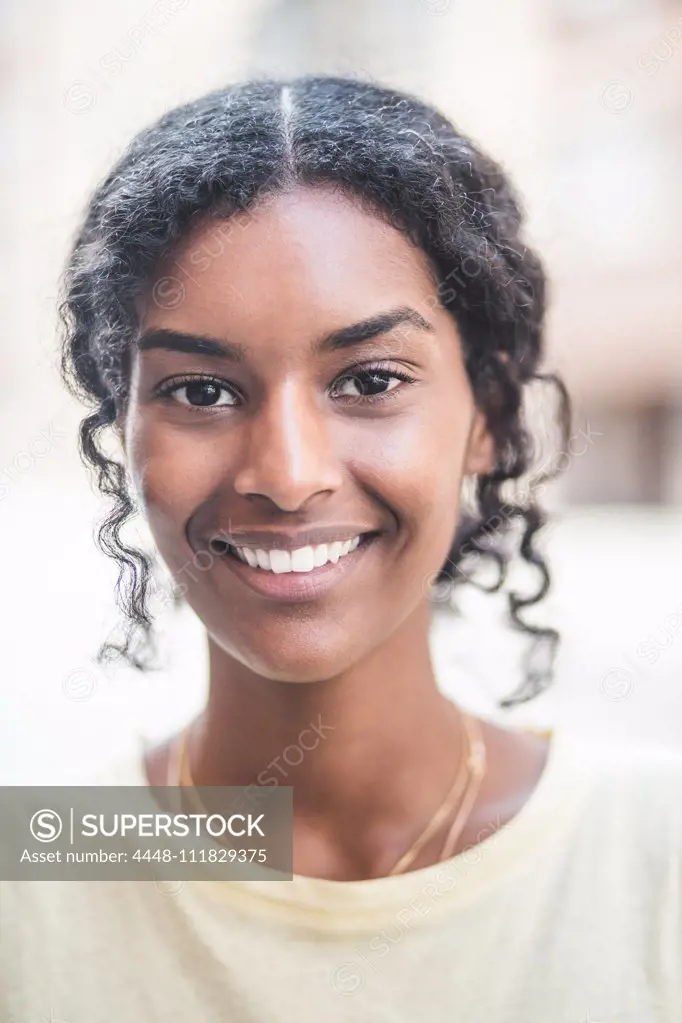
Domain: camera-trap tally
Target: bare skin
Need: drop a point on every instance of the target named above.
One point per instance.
(289, 439)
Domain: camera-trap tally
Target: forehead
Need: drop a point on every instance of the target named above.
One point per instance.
(307, 254)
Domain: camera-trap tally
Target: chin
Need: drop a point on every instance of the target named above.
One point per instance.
(295, 656)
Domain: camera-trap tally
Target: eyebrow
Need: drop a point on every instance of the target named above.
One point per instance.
(344, 337)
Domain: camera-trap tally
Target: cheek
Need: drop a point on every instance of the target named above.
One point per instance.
(414, 464)
(174, 473)
(411, 462)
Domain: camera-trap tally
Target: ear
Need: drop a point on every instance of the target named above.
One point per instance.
(481, 455)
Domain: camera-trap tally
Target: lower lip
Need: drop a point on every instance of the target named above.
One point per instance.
(298, 586)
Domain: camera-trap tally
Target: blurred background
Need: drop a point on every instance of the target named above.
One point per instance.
(581, 101)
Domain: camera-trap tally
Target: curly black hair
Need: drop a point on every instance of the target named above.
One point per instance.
(220, 155)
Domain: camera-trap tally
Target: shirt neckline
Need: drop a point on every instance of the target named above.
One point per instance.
(347, 905)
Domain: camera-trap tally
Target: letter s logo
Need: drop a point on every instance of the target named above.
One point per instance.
(45, 825)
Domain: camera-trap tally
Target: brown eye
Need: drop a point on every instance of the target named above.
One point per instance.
(366, 383)
(370, 382)
(199, 392)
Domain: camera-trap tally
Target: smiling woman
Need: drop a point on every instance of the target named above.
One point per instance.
(307, 312)
(336, 203)
(315, 400)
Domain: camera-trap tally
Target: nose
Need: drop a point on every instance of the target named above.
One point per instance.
(289, 456)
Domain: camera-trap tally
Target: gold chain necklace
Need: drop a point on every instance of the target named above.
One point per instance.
(470, 772)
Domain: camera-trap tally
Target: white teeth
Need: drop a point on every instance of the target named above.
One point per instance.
(335, 550)
(263, 559)
(303, 559)
(280, 561)
(320, 555)
(249, 556)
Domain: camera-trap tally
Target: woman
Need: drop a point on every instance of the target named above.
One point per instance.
(307, 311)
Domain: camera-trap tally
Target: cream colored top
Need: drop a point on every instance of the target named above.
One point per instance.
(570, 913)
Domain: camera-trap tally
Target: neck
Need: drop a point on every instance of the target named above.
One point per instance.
(371, 752)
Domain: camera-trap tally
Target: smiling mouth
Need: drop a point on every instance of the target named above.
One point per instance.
(299, 560)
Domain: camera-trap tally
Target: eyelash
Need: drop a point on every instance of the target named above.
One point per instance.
(168, 389)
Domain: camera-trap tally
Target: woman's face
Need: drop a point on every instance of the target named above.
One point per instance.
(297, 386)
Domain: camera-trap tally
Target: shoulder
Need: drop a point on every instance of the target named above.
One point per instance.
(633, 794)
(635, 768)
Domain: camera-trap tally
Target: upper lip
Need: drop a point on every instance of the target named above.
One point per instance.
(289, 540)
